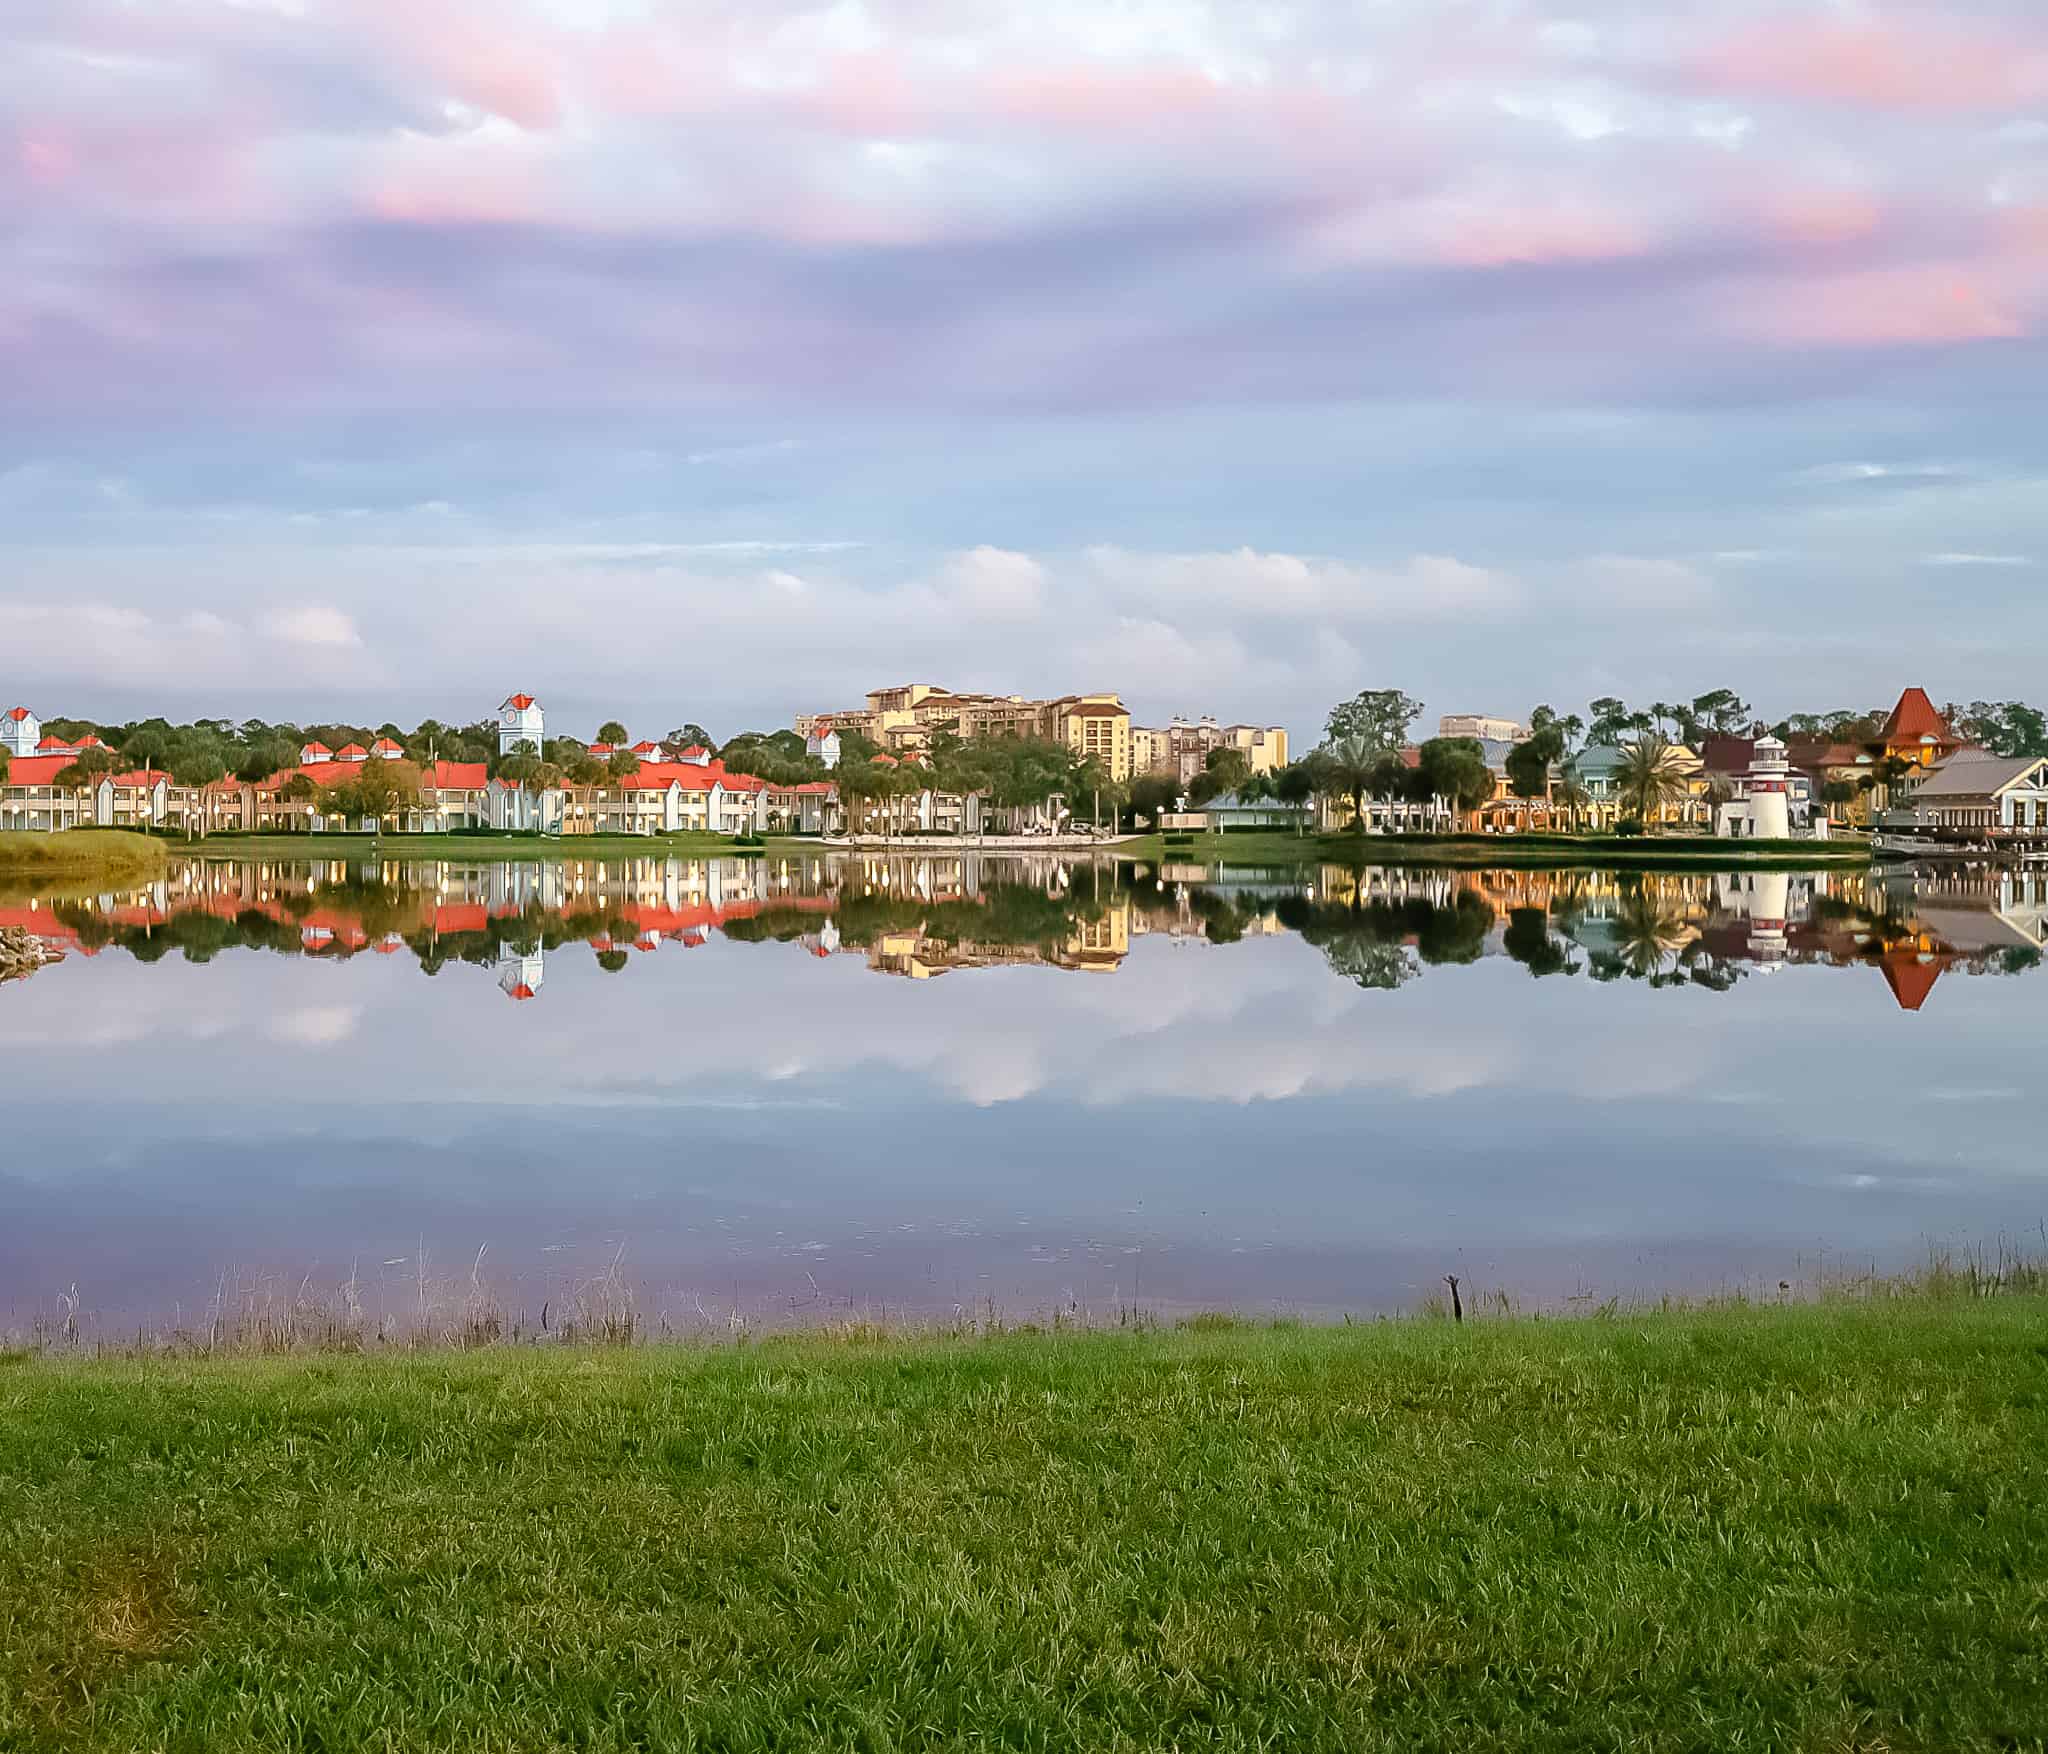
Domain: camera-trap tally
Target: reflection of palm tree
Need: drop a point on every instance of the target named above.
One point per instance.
(1652, 931)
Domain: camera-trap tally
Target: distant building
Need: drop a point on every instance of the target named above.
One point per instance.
(1478, 725)
(21, 732)
(904, 719)
(821, 742)
(1181, 749)
(520, 720)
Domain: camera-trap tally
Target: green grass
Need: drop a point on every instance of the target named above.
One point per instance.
(77, 855)
(1817, 1527)
(1493, 850)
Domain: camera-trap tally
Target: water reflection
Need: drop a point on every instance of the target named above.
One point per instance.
(921, 917)
(1313, 1088)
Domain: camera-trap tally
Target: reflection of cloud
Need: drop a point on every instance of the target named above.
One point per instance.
(316, 1026)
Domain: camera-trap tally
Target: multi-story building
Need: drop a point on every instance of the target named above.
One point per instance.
(1181, 749)
(1485, 729)
(905, 719)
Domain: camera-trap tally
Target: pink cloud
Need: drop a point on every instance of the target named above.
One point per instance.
(1821, 216)
(1876, 64)
(47, 161)
(1514, 237)
(1925, 306)
(476, 57)
(1097, 100)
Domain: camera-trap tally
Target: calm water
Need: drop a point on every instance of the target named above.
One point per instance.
(925, 1084)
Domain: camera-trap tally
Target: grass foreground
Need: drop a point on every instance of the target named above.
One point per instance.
(81, 855)
(1822, 1526)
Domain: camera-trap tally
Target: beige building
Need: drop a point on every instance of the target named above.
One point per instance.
(906, 718)
(1181, 750)
(1478, 725)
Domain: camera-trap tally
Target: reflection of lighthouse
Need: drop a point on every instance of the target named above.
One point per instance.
(1769, 900)
(520, 977)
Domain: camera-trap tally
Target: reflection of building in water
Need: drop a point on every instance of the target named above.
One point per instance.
(520, 976)
(920, 915)
(1975, 918)
(1093, 945)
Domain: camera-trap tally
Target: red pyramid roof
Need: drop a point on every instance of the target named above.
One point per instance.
(1914, 718)
(1910, 979)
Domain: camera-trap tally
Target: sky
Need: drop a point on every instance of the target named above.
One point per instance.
(719, 360)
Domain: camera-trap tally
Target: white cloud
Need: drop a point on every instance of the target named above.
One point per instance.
(1246, 581)
(316, 1026)
(1953, 558)
(997, 583)
(314, 624)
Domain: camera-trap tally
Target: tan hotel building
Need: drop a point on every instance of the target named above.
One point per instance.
(1093, 725)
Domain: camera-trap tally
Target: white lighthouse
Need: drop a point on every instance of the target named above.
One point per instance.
(520, 720)
(1762, 806)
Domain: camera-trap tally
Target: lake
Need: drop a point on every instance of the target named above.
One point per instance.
(769, 1090)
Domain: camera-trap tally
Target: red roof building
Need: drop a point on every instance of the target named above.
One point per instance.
(1916, 732)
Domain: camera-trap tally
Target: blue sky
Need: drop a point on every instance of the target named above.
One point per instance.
(715, 361)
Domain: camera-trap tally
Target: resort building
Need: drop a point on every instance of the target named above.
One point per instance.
(1180, 750)
(905, 719)
(1975, 792)
(1915, 732)
(1486, 730)
(32, 799)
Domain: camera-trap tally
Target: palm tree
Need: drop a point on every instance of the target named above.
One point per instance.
(1354, 768)
(1649, 778)
(299, 789)
(1571, 795)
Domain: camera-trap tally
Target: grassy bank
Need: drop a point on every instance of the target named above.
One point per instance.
(1822, 1526)
(1494, 851)
(81, 855)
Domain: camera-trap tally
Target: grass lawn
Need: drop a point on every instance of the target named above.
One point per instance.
(1496, 850)
(79, 855)
(1822, 1527)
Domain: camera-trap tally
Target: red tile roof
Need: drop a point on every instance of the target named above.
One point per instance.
(1910, 978)
(520, 701)
(384, 743)
(457, 776)
(1914, 720)
(18, 714)
(315, 748)
(692, 776)
(350, 752)
(142, 776)
(36, 770)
